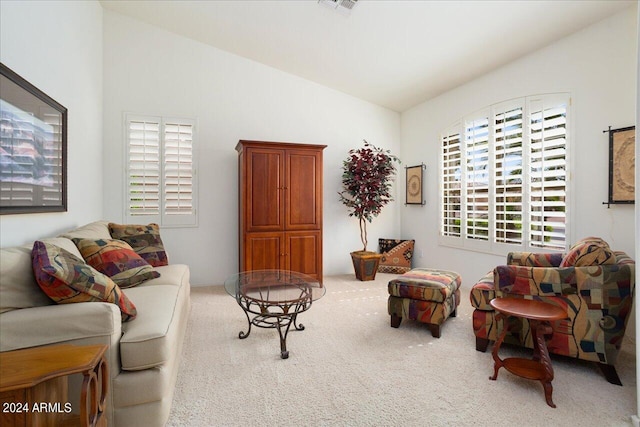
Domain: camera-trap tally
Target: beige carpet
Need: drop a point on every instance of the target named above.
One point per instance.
(350, 368)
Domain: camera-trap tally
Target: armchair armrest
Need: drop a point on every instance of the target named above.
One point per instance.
(535, 259)
(607, 283)
(539, 281)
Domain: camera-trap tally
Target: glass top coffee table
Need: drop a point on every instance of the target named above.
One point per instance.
(273, 299)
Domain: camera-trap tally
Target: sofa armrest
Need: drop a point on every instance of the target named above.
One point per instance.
(535, 259)
(87, 322)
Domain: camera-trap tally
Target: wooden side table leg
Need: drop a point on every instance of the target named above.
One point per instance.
(540, 315)
(542, 329)
(103, 379)
(94, 394)
(87, 398)
(494, 353)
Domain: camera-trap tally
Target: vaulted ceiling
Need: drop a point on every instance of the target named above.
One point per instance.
(393, 53)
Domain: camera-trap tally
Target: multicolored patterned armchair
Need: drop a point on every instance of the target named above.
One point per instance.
(597, 298)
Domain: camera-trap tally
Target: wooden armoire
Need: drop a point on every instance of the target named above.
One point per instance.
(280, 206)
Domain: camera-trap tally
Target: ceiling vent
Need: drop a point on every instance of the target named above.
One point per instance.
(339, 4)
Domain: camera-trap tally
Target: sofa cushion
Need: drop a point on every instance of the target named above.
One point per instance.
(425, 284)
(81, 324)
(144, 239)
(172, 275)
(396, 255)
(93, 230)
(65, 279)
(18, 287)
(147, 342)
(117, 260)
(588, 251)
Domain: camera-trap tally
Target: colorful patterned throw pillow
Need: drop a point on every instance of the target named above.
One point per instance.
(144, 239)
(589, 251)
(65, 279)
(117, 260)
(396, 255)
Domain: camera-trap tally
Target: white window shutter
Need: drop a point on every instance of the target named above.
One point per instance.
(511, 193)
(451, 184)
(160, 171)
(477, 178)
(143, 169)
(548, 173)
(507, 174)
(178, 173)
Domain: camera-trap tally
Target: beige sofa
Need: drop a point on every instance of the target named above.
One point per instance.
(143, 354)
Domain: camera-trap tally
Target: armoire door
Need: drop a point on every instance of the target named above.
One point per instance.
(265, 191)
(264, 251)
(303, 201)
(304, 252)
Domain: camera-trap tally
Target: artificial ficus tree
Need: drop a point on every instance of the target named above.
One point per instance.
(367, 175)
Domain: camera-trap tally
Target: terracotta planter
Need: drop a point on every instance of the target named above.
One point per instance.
(365, 264)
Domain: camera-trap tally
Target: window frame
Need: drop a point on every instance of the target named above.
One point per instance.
(459, 127)
(162, 218)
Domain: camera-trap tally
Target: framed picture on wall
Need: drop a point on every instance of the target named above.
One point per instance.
(33, 148)
(414, 185)
(622, 165)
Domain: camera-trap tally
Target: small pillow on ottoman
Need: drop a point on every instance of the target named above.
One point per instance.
(589, 251)
(65, 279)
(144, 239)
(117, 260)
(396, 255)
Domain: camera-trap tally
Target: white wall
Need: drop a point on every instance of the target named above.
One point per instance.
(597, 65)
(151, 71)
(57, 46)
(148, 70)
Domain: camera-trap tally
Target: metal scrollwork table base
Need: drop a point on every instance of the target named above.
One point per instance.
(273, 299)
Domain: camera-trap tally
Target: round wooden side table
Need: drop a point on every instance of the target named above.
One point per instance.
(539, 314)
(34, 385)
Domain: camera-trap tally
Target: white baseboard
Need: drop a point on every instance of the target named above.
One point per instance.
(635, 420)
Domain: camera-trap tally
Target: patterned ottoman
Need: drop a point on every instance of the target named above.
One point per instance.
(426, 295)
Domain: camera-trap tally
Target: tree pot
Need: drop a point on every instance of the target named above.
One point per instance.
(365, 264)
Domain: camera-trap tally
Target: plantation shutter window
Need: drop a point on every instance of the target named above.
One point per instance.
(144, 168)
(512, 193)
(451, 185)
(477, 178)
(161, 172)
(178, 170)
(507, 176)
(548, 174)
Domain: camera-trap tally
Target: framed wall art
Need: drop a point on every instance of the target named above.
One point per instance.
(33, 148)
(414, 185)
(622, 165)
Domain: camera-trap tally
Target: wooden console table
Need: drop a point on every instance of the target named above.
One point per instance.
(34, 386)
(539, 314)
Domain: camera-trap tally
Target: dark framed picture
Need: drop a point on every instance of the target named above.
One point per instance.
(414, 185)
(622, 165)
(33, 148)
